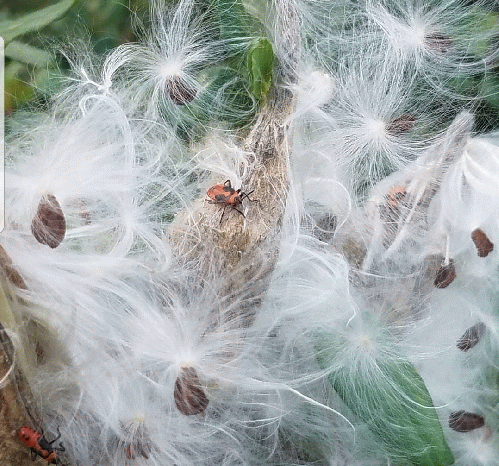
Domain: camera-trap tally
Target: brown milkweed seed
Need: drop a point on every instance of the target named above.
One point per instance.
(49, 225)
(483, 244)
(463, 421)
(400, 125)
(471, 337)
(188, 394)
(438, 42)
(179, 92)
(445, 275)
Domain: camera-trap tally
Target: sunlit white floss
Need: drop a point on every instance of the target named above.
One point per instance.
(439, 40)
(162, 72)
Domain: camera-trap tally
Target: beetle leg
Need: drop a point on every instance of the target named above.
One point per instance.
(58, 436)
(223, 213)
(228, 184)
(34, 454)
(60, 447)
(237, 210)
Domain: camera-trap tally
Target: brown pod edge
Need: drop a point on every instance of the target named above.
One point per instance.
(10, 271)
(188, 394)
(49, 224)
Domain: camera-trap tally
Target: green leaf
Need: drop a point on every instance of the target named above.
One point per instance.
(390, 397)
(490, 91)
(482, 27)
(12, 28)
(260, 62)
(231, 17)
(226, 98)
(28, 54)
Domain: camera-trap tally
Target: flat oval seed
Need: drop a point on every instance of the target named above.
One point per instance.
(438, 42)
(179, 92)
(188, 394)
(483, 244)
(400, 125)
(49, 224)
(471, 337)
(463, 421)
(445, 275)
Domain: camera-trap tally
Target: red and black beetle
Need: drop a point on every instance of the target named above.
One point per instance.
(227, 196)
(39, 445)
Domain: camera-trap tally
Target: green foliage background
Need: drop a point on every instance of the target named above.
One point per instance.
(31, 27)
(44, 24)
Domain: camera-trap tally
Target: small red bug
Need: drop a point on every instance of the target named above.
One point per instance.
(227, 196)
(39, 445)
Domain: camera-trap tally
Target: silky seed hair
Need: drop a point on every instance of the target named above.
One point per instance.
(351, 302)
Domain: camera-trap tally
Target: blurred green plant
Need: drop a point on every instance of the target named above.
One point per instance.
(28, 26)
(10, 28)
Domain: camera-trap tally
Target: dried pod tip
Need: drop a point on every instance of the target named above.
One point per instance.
(483, 244)
(188, 394)
(400, 125)
(49, 224)
(438, 42)
(179, 92)
(463, 421)
(445, 275)
(471, 337)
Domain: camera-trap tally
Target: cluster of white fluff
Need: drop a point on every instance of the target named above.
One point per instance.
(379, 280)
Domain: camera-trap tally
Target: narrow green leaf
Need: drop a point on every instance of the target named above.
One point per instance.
(260, 62)
(390, 397)
(28, 54)
(12, 28)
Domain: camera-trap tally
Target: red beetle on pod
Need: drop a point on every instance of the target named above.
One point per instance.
(39, 445)
(227, 196)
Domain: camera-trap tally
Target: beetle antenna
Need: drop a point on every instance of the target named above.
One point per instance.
(246, 196)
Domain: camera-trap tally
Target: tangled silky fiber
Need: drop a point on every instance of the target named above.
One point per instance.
(263, 233)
